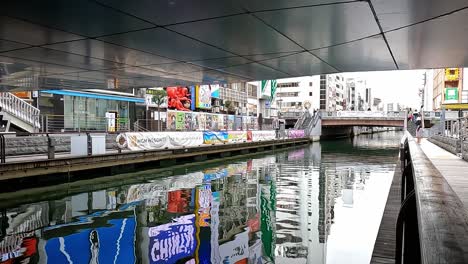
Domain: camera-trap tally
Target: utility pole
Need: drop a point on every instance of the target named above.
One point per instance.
(422, 99)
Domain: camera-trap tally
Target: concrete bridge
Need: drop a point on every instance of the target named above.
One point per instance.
(364, 118)
(342, 123)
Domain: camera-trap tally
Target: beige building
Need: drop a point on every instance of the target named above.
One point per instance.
(448, 89)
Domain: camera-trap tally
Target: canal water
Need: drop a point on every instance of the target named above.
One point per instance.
(320, 203)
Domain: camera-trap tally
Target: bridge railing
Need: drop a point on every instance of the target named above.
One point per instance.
(364, 114)
(432, 225)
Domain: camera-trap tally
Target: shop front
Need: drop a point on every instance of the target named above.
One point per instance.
(83, 111)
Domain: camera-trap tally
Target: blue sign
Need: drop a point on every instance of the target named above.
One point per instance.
(173, 241)
(192, 98)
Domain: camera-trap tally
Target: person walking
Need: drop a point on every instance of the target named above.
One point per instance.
(419, 130)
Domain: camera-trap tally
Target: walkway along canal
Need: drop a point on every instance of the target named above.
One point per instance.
(316, 203)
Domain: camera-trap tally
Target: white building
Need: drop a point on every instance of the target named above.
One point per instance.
(293, 94)
(358, 95)
(332, 92)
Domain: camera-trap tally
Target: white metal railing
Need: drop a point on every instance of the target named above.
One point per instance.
(364, 114)
(449, 115)
(20, 109)
(456, 128)
(438, 114)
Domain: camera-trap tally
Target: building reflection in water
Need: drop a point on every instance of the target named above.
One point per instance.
(262, 210)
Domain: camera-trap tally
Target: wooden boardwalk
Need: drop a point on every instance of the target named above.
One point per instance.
(384, 248)
(455, 171)
(453, 168)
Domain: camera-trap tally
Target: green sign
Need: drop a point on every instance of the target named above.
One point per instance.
(451, 94)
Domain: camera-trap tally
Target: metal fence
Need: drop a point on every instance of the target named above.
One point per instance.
(76, 123)
(144, 125)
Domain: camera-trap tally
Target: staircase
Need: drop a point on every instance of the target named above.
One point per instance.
(307, 122)
(18, 114)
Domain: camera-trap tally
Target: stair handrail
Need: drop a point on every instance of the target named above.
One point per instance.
(313, 123)
(19, 108)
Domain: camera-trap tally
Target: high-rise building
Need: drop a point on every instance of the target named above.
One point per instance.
(332, 92)
(390, 107)
(358, 95)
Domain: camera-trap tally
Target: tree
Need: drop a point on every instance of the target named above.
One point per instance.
(229, 106)
(159, 96)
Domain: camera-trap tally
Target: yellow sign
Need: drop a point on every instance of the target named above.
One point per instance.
(452, 74)
(456, 106)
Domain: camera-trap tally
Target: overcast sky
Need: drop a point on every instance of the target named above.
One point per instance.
(394, 86)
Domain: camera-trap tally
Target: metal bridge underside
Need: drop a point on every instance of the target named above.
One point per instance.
(51, 44)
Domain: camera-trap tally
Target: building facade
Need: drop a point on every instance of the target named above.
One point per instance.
(297, 94)
(449, 90)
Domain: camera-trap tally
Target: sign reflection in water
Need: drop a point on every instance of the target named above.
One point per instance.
(287, 205)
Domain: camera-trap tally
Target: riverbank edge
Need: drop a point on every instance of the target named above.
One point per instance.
(113, 163)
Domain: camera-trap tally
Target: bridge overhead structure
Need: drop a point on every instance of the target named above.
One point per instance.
(51, 44)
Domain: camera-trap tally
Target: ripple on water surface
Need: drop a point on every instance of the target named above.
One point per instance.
(317, 204)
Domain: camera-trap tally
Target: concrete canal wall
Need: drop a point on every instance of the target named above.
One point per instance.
(114, 163)
(30, 145)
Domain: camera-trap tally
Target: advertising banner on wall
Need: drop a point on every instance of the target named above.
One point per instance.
(158, 140)
(225, 122)
(214, 122)
(237, 136)
(208, 122)
(215, 91)
(203, 96)
(212, 137)
(178, 236)
(201, 121)
(179, 98)
(180, 121)
(231, 121)
(263, 135)
(296, 133)
(171, 120)
(189, 124)
(238, 123)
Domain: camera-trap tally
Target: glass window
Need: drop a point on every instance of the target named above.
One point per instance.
(68, 110)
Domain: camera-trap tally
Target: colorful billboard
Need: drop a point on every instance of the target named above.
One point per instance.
(178, 236)
(211, 137)
(171, 120)
(179, 98)
(180, 121)
(203, 96)
(215, 91)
